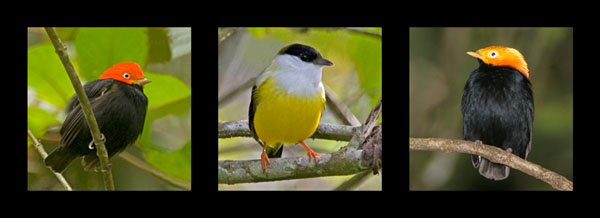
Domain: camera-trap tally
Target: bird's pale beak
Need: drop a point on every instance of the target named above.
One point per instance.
(475, 54)
(322, 61)
(142, 82)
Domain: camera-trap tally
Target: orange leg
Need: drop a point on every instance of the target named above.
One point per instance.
(311, 153)
(264, 158)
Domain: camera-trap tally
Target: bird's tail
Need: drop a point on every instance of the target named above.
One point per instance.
(59, 160)
(275, 150)
(490, 170)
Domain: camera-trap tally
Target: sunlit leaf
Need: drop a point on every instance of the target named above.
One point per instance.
(100, 48)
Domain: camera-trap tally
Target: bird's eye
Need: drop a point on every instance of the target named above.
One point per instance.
(493, 54)
(126, 75)
(303, 57)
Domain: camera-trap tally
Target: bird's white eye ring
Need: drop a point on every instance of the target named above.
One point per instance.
(493, 54)
(126, 75)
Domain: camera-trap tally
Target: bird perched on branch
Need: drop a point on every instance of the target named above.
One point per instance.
(497, 106)
(119, 105)
(287, 101)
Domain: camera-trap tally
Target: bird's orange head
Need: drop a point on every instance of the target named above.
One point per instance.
(503, 57)
(127, 72)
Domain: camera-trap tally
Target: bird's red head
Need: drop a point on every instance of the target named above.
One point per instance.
(502, 56)
(127, 72)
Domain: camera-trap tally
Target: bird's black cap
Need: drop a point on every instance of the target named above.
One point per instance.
(305, 53)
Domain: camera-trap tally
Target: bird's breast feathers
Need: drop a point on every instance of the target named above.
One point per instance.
(284, 117)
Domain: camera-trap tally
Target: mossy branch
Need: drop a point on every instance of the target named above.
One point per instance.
(362, 153)
(493, 154)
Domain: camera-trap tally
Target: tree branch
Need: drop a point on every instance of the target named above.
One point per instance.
(343, 162)
(350, 159)
(61, 51)
(43, 153)
(494, 154)
(324, 130)
(346, 161)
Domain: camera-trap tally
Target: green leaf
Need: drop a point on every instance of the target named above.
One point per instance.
(364, 50)
(100, 48)
(178, 107)
(284, 34)
(164, 89)
(38, 121)
(46, 74)
(367, 57)
(168, 98)
(177, 164)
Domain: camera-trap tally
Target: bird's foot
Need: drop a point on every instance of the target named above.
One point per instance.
(310, 153)
(264, 158)
(91, 145)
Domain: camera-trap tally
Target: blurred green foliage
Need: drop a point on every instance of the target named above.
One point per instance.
(363, 51)
(166, 140)
(438, 70)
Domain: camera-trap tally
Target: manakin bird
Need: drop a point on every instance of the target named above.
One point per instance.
(287, 101)
(497, 106)
(119, 105)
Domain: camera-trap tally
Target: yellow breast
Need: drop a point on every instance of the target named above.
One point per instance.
(281, 117)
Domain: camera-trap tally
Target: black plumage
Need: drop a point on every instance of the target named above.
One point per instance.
(497, 108)
(120, 110)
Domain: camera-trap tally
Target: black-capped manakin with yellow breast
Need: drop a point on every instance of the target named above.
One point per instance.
(287, 101)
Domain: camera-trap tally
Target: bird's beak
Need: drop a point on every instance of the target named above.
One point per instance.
(142, 82)
(475, 54)
(322, 61)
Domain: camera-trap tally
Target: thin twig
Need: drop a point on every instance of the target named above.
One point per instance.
(324, 130)
(363, 31)
(61, 51)
(43, 153)
(493, 154)
(341, 111)
(354, 181)
(225, 33)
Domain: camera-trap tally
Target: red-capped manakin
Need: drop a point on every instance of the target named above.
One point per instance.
(497, 106)
(119, 105)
